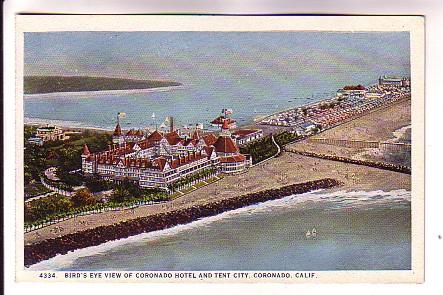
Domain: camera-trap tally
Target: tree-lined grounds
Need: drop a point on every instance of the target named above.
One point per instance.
(265, 148)
(65, 155)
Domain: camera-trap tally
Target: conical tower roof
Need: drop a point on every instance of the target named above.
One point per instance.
(226, 145)
(118, 130)
(85, 150)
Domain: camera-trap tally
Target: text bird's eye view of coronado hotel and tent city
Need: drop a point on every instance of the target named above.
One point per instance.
(202, 151)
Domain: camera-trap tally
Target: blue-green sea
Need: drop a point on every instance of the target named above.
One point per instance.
(355, 231)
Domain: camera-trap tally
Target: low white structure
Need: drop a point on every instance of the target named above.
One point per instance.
(244, 136)
(394, 81)
(35, 140)
(47, 133)
(358, 91)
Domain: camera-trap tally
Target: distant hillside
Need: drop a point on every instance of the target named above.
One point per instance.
(48, 84)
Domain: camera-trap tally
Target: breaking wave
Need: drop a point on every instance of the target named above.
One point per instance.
(338, 200)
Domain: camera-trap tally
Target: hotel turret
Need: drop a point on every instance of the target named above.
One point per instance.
(231, 160)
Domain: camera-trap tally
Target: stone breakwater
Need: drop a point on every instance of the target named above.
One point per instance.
(373, 164)
(92, 237)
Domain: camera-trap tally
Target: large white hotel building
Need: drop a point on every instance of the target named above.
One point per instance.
(160, 159)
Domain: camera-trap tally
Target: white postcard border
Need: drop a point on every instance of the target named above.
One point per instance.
(412, 24)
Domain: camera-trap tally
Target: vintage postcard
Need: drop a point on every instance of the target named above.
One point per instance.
(220, 148)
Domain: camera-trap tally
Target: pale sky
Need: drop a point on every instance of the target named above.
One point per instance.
(186, 56)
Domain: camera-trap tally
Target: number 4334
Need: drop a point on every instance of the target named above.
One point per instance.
(47, 275)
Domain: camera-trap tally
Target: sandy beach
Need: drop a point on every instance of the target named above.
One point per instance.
(64, 125)
(283, 170)
(81, 94)
(380, 125)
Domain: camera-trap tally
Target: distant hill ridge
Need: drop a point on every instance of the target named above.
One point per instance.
(49, 84)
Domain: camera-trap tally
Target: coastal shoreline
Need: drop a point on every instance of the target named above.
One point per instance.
(314, 203)
(64, 125)
(102, 92)
(49, 248)
(280, 171)
(72, 125)
(272, 175)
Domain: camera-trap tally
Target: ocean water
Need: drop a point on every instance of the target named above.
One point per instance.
(355, 231)
(189, 105)
(253, 73)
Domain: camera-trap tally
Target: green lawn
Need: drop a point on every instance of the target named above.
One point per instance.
(188, 190)
(213, 179)
(200, 184)
(65, 155)
(196, 186)
(175, 195)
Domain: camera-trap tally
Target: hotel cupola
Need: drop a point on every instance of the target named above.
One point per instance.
(225, 145)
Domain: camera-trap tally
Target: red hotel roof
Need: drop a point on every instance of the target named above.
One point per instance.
(222, 119)
(225, 144)
(208, 150)
(173, 138)
(209, 138)
(145, 144)
(195, 135)
(155, 136)
(191, 157)
(233, 159)
(158, 163)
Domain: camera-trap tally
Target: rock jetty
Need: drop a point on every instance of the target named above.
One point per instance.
(91, 237)
(373, 164)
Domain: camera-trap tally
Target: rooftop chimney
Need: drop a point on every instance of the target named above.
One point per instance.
(171, 122)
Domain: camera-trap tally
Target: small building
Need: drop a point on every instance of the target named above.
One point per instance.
(397, 81)
(48, 133)
(352, 91)
(36, 140)
(306, 128)
(219, 121)
(244, 136)
(373, 95)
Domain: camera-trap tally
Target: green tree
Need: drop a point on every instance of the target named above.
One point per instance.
(120, 195)
(42, 208)
(83, 197)
(96, 184)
